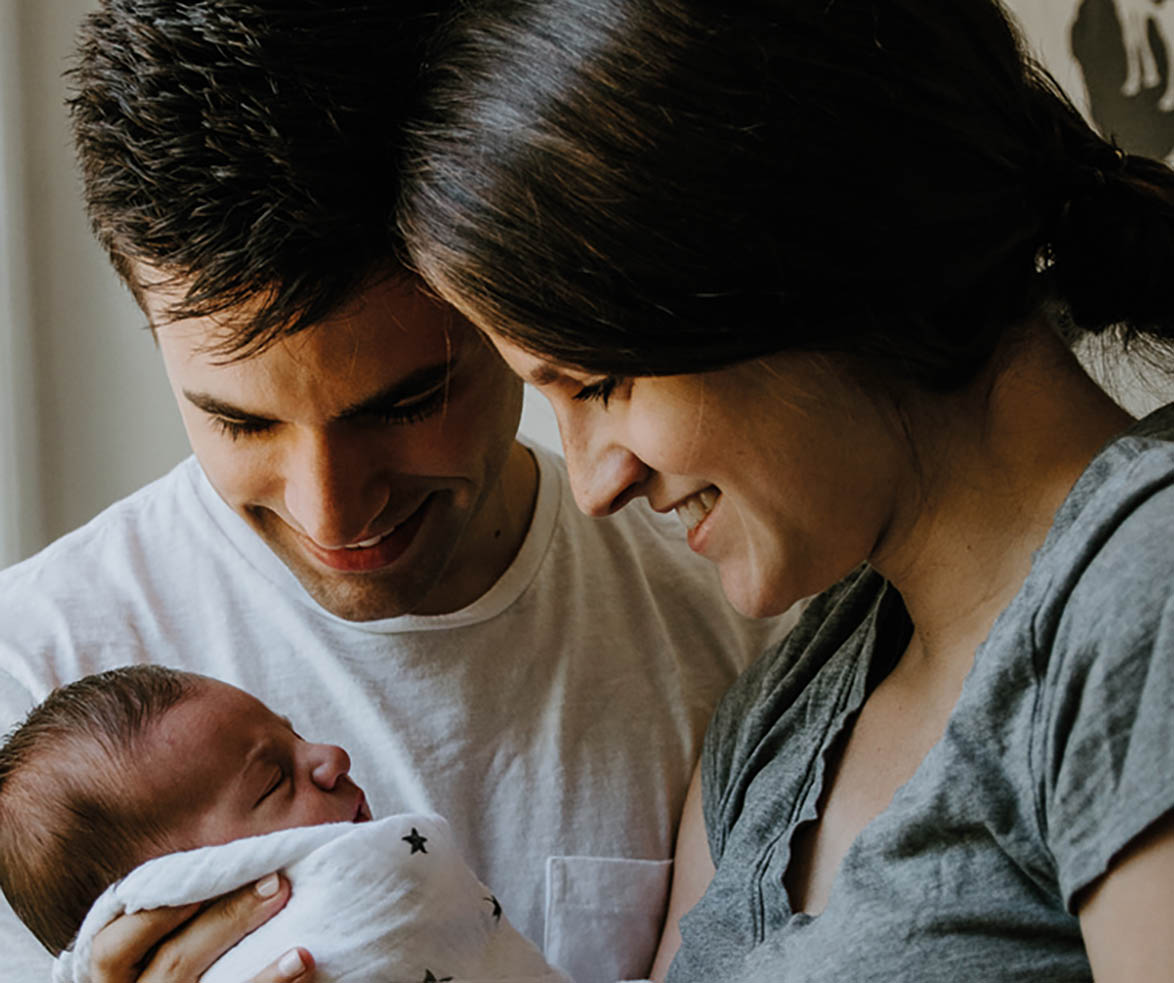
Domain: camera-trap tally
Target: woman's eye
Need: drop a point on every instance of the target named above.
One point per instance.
(601, 390)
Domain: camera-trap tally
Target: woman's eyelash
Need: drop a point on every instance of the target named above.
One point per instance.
(601, 390)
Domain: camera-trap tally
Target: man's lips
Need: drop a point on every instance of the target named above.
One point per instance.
(385, 549)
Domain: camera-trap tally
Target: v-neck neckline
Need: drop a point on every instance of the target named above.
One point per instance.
(878, 646)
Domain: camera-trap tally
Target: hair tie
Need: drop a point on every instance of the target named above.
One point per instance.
(1073, 181)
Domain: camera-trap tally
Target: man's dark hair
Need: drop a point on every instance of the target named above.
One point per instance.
(247, 150)
(65, 836)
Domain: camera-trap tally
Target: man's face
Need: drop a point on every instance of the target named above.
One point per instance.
(373, 452)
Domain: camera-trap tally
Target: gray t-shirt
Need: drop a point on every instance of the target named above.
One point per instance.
(1059, 752)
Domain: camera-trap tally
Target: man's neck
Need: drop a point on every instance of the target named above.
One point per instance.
(494, 538)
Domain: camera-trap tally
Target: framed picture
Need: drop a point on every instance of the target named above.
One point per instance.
(1114, 58)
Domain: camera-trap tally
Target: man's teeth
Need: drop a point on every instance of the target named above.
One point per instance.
(697, 507)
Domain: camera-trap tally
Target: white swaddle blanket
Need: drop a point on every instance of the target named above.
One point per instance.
(390, 901)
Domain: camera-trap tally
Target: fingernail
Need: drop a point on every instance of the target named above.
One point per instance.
(291, 964)
(267, 886)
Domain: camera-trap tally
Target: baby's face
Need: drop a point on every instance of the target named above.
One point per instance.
(225, 766)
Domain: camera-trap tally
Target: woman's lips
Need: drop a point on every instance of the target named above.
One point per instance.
(384, 550)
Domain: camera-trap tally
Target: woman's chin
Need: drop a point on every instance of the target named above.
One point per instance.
(754, 596)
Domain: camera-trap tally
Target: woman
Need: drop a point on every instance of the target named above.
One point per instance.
(803, 270)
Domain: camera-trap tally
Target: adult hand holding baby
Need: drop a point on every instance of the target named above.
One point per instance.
(175, 945)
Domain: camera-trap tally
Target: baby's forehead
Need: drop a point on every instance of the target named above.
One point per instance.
(214, 717)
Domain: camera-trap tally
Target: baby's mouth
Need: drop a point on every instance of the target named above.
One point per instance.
(362, 810)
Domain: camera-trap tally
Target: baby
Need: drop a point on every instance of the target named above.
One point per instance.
(200, 779)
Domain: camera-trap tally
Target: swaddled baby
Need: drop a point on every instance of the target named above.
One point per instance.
(143, 787)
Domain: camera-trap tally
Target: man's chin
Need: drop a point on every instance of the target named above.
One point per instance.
(364, 597)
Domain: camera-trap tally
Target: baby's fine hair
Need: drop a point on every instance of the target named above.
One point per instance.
(65, 834)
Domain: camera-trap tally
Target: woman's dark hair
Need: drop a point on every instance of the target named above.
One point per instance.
(648, 187)
(247, 148)
(65, 833)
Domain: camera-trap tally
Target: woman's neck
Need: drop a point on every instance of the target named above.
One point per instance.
(993, 476)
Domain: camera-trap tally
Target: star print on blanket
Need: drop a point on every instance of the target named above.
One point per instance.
(367, 906)
(416, 840)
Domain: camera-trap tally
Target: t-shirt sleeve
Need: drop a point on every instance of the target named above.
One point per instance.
(1108, 701)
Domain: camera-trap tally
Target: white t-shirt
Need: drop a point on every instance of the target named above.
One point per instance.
(554, 721)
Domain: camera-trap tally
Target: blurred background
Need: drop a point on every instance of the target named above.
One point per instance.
(85, 413)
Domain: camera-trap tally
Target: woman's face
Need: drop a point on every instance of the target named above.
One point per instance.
(784, 473)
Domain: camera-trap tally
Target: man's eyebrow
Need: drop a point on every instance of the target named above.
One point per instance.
(219, 407)
(415, 383)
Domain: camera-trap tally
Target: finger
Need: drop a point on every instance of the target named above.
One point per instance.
(185, 955)
(120, 948)
(296, 966)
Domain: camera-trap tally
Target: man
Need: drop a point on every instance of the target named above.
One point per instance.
(359, 537)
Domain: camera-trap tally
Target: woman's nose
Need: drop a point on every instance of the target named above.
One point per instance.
(328, 763)
(604, 480)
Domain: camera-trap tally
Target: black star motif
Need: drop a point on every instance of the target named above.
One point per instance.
(496, 906)
(416, 840)
(428, 977)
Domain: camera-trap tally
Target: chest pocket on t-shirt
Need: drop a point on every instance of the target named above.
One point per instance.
(604, 915)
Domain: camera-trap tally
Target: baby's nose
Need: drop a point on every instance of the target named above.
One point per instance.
(329, 764)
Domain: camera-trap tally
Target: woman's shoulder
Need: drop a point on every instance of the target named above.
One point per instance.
(1109, 557)
(1104, 645)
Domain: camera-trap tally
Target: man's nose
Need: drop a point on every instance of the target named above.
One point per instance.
(328, 763)
(331, 491)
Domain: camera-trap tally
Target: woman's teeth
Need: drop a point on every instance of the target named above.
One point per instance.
(697, 507)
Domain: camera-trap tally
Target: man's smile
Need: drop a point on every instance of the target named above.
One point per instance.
(374, 553)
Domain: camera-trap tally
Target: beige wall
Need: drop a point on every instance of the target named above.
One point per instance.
(93, 412)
